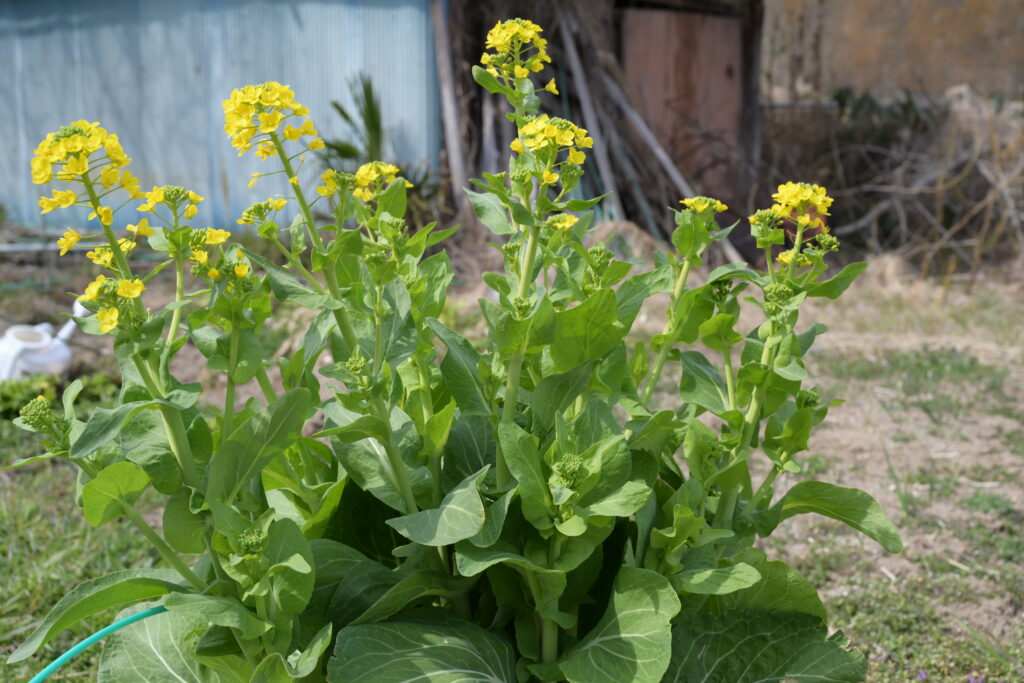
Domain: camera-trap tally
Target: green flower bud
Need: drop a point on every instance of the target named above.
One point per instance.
(37, 414)
(600, 257)
(570, 469)
(827, 242)
(251, 541)
(521, 307)
(356, 364)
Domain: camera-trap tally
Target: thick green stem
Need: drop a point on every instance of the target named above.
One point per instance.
(378, 333)
(296, 263)
(668, 335)
(179, 295)
(763, 489)
(161, 546)
(265, 386)
(515, 365)
(174, 428)
(229, 392)
(549, 628)
(796, 251)
(340, 315)
(730, 381)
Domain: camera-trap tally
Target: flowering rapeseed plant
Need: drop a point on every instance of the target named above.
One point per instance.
(523, 510)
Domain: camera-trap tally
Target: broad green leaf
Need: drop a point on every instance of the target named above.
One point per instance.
(183, 529)
(470, 447)
(157, 648)
(850, 506)
(144, 442)
(361, 427)
(524, 462)
(287, 287)
(554, 393)
(718, 581)
(632, 641)
(104, 425)
(491, 212)
(249, 358)
(717, 333)
(429, 646)
(216, 610)
(836, 285)
(701, 384)
(413, 587)
(587, 331)
(289, 579)
(755, 645)
(241, 458)
(780, 588)
(632, 293)
(104, 497)
(392, 200)
(460, 515)
(86, 599)
(487, 81)
(460, 371)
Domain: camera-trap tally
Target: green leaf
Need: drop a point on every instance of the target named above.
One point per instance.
(104, 497)
(103, 426)
(250, 356)
(460, 515)
(96, 595)
(780, 588)
(852, 507)
(157, 648)
(245, 453)
(755, 645)
(520, 450)
(144, 442)
(701, 384)
(554, 393)
(632, 640)
(718, 581)
(183, 529)
(430, 646)
(417, 585)
(491, 212)
(632, 293)
(717, 333)
(836, 285)
(587, 331)
(287, 287)
(460, 370)
(392, 199)
(487, 81)
(220, 611)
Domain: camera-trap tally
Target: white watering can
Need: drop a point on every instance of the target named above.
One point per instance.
(34, 349)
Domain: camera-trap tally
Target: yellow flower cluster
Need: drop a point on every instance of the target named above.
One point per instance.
(60, 199)
(173, 197)
(702, 204)
(71, 147)
(373, 177)
(68, 241)
(786, 257)
(104, 255)
(255, 112)
(517, 48)
(332, 181)
(544, 132)
(108, 293)
(258, 212)
(562, 221)
(804, 203)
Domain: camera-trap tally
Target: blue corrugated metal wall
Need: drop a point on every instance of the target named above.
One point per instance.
(155, 72)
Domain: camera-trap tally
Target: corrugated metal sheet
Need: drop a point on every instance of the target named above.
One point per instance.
(156, 72)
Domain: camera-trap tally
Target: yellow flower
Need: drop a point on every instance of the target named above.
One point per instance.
(702, 204)
(255, 177)
(549, 178)
(316, 143)
(290, 132)
(141, 228)
(65, 198)
(130, 289)
(47, 204)
(269, 121)
(92, 290)
(516, 146)
(797, 198)
(194, 197)
(214, 274)
(76, 166)
(786, 257)
(191, 210)
(109, 176)
(551, 87)
(363, 193)
(108, 319)
(68, 241)
(130, 184)
(521, 71)
(563, 221)
(241, 270)
(576, 156)
(277, 204)
(294, 180)
(265, 150)
(214, 237)
(106, 215)
(200, 256)
(101, 256)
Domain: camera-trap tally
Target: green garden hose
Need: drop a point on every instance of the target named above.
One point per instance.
(94, 638)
